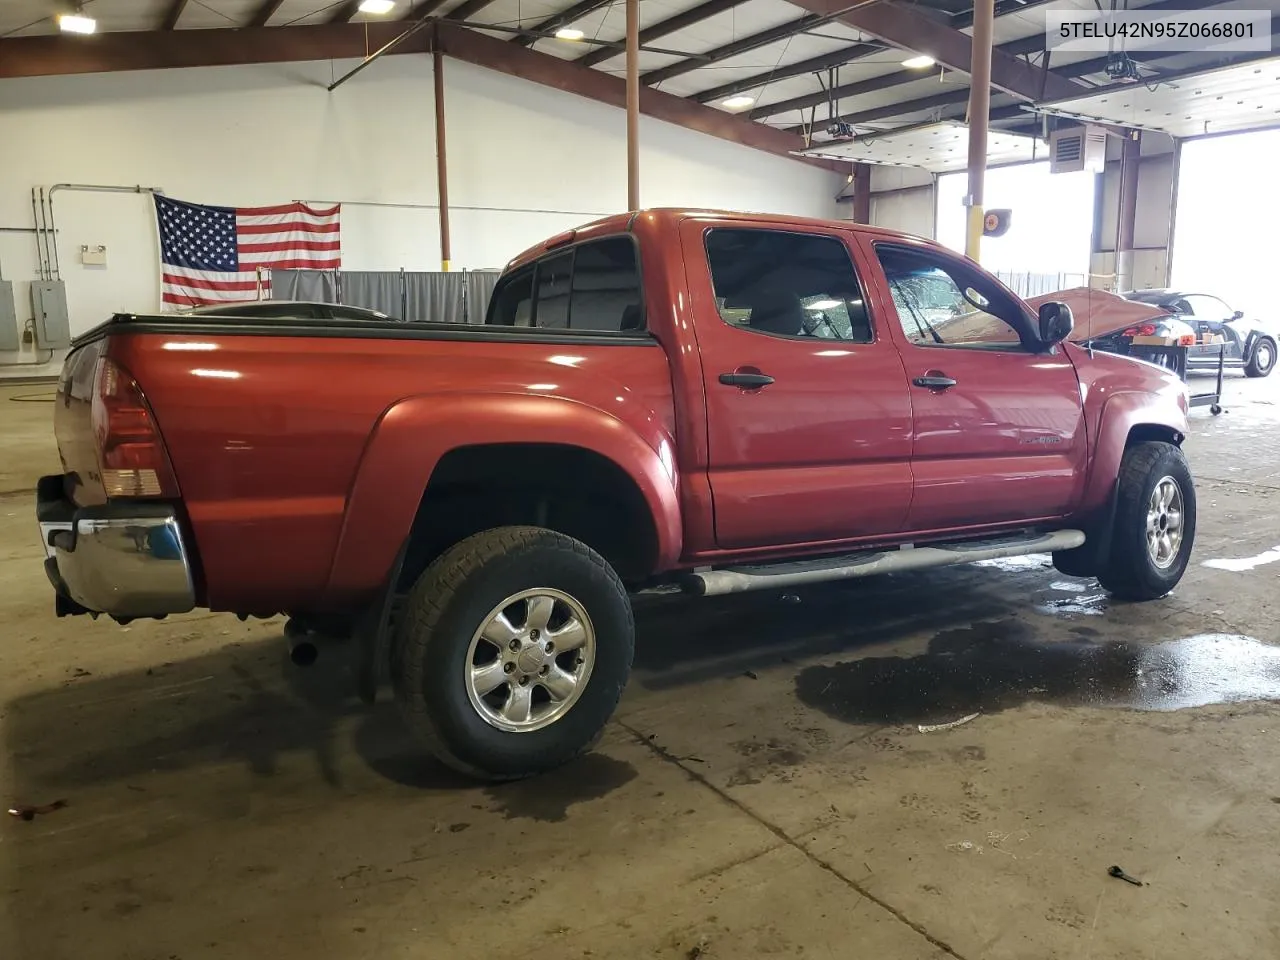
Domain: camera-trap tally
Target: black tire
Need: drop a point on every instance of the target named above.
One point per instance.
(446, 608)
(1131, 573)
(1263, 360)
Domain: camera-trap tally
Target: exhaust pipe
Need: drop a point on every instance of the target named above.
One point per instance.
(302, 653)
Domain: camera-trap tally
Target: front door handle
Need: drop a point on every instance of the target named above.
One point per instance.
(934, 382)
(748, 381)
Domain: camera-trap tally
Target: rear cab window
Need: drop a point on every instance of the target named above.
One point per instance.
(592, 287)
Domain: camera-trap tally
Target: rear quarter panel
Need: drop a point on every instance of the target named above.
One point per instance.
(267, 435)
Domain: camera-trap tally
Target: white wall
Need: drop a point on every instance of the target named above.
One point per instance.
(903, 198)
(525, 162)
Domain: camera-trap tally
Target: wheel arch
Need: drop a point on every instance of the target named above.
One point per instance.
(414, 437)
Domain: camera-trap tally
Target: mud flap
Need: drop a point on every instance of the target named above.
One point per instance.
(373, 635)
(1090, 559)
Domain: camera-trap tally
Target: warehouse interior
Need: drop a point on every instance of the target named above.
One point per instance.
(962, 762)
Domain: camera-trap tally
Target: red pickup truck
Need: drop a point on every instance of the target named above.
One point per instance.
(724, 401)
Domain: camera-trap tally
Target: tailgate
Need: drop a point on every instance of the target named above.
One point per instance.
(73, 425)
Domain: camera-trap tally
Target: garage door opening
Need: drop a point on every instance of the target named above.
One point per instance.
(1047, 246)
(1227, 211)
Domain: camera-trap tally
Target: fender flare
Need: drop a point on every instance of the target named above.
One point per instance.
(1120, 414)
(413, 435)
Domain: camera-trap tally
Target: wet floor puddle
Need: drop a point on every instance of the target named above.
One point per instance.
(993, 666)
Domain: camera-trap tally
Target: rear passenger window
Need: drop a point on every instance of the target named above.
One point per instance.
(512, 304)
(554, 275)
(594, 286)
(787, 284)
(606, 287)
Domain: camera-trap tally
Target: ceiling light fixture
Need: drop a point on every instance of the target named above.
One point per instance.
(76, 23)
(738, 102)
(378, 8)
(918, 63)
(570, 34)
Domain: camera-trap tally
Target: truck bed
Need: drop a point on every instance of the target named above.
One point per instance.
(266, 421)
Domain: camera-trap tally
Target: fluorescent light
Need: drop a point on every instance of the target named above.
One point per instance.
(918, 63)
(569, 33)
(738, 103)
(76, 23)
(377, 7)
(824, 304)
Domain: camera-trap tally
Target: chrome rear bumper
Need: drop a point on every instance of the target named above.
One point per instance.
(122, 559)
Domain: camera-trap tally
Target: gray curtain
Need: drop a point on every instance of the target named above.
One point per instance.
(477, 289)
(418, 297)
(313, 286)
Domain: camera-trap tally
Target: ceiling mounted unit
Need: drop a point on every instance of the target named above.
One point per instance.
(1072, 149)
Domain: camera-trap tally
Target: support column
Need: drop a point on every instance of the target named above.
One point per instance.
(984, 15)
(633, 104)
(442, 163)
(862, 193)
(1127, 209)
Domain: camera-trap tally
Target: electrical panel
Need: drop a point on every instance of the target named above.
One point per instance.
(49, 307)
(9, 335)
(1072, 149)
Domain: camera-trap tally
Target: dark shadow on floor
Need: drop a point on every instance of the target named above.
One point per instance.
(681, 640)
(247, 703)
(244, 702)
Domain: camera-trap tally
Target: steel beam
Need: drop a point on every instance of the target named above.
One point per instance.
(902, 109)
(465, 11)
(837, 58)
(663, 28)
(172, 14)
(263, 12)
(1025, 45)
(424, 8)
(561, 19)
(50, 55)
(908, 29)
(727, 50)
(484, 51)
(888, 80)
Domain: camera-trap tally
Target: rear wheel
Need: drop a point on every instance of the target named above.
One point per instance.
(1155, 523)
(1263, 359)
(513, 651)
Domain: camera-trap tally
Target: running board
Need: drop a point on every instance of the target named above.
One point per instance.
(710, 583)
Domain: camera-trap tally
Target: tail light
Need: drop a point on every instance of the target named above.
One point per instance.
(131, 454)
(1142, 330)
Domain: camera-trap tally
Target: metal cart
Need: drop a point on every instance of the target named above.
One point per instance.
(1175, 358)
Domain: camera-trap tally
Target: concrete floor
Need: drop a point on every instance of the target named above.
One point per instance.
(765, 790)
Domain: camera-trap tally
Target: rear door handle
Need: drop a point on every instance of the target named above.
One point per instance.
(934, 383)
(749, 381)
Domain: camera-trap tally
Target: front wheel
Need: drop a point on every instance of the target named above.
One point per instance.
(513, 650)
(1155, 523)
(1263, 359)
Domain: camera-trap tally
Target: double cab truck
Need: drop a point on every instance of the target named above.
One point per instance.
(721, 401)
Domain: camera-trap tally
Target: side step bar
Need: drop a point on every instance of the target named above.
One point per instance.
(709, 583)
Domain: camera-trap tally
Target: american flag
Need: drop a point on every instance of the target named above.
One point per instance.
(224, 254)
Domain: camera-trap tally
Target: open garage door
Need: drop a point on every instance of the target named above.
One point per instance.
(1226, 220)
(1047, 246)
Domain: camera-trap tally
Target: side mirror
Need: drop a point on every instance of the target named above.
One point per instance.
(1237, 315)
(1056, 322)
